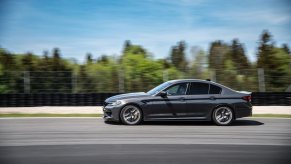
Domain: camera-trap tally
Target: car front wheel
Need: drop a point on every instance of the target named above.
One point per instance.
(131, 115)
(223, 116)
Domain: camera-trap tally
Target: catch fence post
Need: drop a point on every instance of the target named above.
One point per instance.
(74, 82)
(26, 81)
(165, 75)
(213, 75)
(120, 81)
(261, 80)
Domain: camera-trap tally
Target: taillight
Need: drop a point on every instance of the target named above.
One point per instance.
(247, 98)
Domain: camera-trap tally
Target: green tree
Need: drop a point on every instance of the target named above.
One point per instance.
(61, 73)
(275, 62)
(136, 50)
(286, 48)
(218, 54)
(3, 86)
(29, 62)
(177, 56)
(238, 56)
(44, 63)
(56, 60)
(265, 51)
(126, 47)
(11, 81)
(141, 72)
(42, 78)
(278, 75)
(85, 83)
(103, 59)
(100, 76)
(7, 60)
(166, 64)
(199, 64)
(89, 59)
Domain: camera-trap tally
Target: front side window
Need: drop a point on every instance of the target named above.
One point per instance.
(177, 89)
(197, 88)
(158, 88)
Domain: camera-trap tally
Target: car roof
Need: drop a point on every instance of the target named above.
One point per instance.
(188, 80)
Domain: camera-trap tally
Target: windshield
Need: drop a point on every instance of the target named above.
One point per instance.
(158, 88)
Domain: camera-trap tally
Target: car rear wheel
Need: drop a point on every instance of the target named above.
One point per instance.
(223, 116)
(131, 115)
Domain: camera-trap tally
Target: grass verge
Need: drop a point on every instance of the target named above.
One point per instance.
(48, 115)
(273, 115)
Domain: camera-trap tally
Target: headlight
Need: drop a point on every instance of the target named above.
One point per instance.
(118, 102)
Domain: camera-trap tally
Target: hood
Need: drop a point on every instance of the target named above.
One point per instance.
(126, 96)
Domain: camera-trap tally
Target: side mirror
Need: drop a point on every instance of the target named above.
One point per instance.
(163, 94)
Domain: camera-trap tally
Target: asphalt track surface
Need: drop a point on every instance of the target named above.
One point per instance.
(90, 140)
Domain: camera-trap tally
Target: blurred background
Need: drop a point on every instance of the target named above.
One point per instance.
(130, 46)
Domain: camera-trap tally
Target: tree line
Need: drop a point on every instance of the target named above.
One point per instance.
(137, 70)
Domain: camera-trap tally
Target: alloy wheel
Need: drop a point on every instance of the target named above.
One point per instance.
(131, 115)
(223, 116)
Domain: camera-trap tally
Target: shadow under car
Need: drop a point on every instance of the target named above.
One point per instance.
(238, 122)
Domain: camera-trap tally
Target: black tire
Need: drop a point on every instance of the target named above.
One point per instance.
(131, 115)
(223, 116)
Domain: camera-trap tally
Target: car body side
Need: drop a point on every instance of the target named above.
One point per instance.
(180, 107)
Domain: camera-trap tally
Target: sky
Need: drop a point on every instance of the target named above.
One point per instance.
(100, 27)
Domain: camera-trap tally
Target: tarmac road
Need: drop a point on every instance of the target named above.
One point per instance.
(90, 140)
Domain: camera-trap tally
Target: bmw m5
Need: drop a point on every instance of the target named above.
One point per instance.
(184, 99)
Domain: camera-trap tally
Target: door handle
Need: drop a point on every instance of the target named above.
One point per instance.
(212, 98)
(182, 99)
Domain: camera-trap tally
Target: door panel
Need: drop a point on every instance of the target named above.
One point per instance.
(164, 108)
(199, 103)
(198, 107)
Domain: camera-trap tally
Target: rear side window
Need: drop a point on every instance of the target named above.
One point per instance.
(214, 89)
(198, 88)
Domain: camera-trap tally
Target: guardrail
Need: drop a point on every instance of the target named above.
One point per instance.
(96, 99)
(271, 98)
(57, 99)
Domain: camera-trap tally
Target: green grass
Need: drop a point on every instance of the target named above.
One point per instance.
(48, 115)
(273, 115)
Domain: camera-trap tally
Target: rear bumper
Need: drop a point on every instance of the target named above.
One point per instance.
(243, 110)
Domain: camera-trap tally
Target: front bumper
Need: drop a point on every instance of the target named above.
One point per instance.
(111, 113)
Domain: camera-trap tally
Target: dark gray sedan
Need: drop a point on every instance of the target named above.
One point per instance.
(187, 99)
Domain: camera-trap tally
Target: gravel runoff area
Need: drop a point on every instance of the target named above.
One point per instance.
(98, 110)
